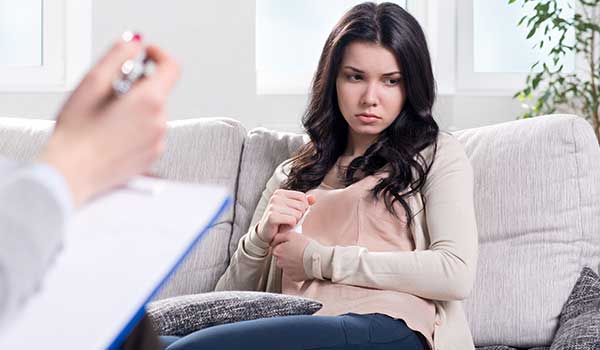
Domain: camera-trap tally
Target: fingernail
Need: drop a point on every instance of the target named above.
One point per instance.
(128, 36)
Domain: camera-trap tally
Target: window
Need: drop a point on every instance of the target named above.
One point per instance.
(21, 33)
(45, 44)
(493, 54)
(306, 24)
(476, 46)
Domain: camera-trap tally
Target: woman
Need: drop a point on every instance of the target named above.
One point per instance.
(389, 244)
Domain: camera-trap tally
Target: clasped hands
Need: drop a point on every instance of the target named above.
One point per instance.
(284, 210)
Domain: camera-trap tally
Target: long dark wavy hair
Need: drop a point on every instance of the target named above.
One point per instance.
(396, 150)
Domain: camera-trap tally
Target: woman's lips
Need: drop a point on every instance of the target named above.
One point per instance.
(367, 118)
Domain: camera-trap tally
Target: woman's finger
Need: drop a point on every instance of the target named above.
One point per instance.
(282, 219)
(281, 200)
(296, 195)
(296, 213)
(279, 238)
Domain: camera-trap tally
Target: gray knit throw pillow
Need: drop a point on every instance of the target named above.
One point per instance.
(505, 347)
(579, 324)
(185, 314)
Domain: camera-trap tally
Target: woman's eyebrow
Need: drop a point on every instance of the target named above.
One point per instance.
(354, 69)
(362, 72)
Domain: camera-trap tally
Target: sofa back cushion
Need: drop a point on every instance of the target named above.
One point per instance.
(22, 139)
(203, 150)
(537, 184)
(263, 151)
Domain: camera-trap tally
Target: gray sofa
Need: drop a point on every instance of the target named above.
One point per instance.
(537, 197)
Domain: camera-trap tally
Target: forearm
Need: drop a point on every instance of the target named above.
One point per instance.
(34, 207)
(249, 265)
(445, 270)
(433, 274)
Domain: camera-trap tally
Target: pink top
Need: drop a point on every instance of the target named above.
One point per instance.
(352, 217)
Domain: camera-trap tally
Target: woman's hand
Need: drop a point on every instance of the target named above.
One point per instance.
(288, 248)
(101, 141)
(284, 210)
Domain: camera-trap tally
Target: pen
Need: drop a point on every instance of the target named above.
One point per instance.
(132, 70)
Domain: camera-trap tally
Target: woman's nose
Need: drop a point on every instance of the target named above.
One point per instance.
(369, 97)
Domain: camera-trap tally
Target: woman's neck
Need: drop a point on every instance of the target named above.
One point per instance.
(357, 145)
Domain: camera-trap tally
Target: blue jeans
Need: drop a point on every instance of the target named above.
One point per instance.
(348, 331)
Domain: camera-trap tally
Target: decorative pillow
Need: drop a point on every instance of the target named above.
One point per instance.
(579, 324)
(185, 314)
(505, 347)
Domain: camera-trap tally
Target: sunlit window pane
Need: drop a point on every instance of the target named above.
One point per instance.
(21, 32)
(290, 34)
(500, 46)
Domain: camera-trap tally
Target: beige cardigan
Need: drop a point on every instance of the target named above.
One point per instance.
(442, 268)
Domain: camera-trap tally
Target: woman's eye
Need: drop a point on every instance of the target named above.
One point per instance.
(354, 77)
(392, 82)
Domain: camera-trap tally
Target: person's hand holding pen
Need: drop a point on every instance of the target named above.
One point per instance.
(103, 138)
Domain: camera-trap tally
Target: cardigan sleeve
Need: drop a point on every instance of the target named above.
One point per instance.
(35, 205)
(249, 266)
(444, 271)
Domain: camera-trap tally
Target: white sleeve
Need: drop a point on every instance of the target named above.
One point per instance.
(35, 204)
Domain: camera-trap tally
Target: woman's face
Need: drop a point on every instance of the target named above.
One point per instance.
(370, 88)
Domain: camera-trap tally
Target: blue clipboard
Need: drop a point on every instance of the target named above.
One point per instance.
(119, 251)
(120, 338)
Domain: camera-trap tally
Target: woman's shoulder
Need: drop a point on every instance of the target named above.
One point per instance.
(450, 159)
(280, 174)
(447, 145)
(448, 149)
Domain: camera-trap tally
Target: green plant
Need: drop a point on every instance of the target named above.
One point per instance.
(551, 89)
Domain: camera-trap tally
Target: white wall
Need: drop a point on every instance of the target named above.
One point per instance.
(214, 41)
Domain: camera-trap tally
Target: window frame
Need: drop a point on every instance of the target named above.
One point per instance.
(468, 81)
(66, 52)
